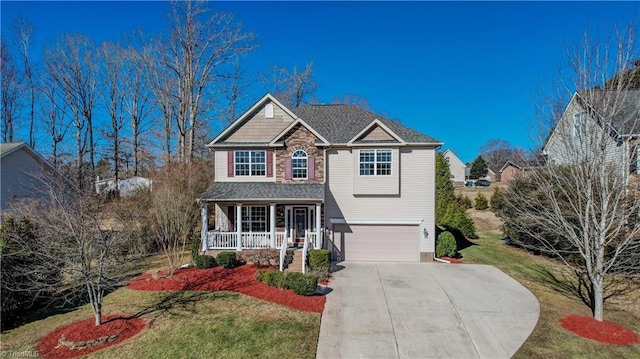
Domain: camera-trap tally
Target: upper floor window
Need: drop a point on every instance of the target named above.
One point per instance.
(375, 162)
(268, 111)
(299, 165)
(250, 163)
(579, 124)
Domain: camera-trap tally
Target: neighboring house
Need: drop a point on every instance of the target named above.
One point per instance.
(126, 187)
(582, 123)
(26, 175)
(509, 171)
(457, 168)
(335, 176)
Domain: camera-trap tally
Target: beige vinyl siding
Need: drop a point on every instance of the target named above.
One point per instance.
(378, 185)
(21, 177)
(377, 134)
(221, 170)
(416, 200)
(260, 129)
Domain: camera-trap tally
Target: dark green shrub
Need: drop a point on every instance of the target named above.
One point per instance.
(195, 247)
(481, 202)
(274, 278)
(227, 259)
(260, 275)
(302, 284)
(497, 200)
(319, 259)
(446, 245)
(204, 261)
(457, 218)
(464, 201)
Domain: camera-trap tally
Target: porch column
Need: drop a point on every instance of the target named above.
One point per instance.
(286, 224)
(204, 238)
(239, 226)
(272, 224)
(318, 243)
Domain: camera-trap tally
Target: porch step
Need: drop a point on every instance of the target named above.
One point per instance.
(293, 260)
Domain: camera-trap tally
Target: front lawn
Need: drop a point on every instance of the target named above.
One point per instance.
(191, 324)
(540, 275)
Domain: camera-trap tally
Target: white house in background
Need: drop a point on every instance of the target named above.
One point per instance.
(331, 176)
(457, 168)
(126, 187)
(26, 175)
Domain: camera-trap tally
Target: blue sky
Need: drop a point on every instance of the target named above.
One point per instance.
(463, 72)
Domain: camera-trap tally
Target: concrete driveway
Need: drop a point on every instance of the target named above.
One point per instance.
(420, 310)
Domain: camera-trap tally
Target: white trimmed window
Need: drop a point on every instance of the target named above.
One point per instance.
(254, 219)
(250, 163)
(375, 162)
(579, 124)
(299, 165)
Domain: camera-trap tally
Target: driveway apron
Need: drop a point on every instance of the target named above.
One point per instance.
(420, 310)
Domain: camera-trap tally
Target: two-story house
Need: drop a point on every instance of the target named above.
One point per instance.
(457, 168)
(337, 176)
(598, 126)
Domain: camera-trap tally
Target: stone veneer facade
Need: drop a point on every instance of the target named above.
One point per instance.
(300, 138)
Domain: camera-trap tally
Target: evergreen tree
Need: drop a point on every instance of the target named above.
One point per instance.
(478, 168)
(444, 187)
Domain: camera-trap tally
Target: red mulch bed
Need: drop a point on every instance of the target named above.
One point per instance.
(85, 330)
(452, 260)
(600, 331)
(240, 279)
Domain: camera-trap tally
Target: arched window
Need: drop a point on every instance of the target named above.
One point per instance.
(268, 111)
(299, 165)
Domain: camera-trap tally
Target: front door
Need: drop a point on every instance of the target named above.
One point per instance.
(299, 223)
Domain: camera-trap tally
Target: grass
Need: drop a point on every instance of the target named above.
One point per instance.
(544, 278)
(189, 325)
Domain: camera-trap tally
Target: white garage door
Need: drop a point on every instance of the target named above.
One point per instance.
(397, 243)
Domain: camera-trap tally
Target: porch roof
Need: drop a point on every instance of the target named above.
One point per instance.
(243, 191)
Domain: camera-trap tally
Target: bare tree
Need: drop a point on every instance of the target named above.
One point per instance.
(72, 60)
(497, 152)
(291, 87)
(137, 101)
(198, 51)
(53, 110)
(353, 99)
(113, 78)
(582, 207)
(23, 30)
(75, 237)
(174, 213)
(11, 92)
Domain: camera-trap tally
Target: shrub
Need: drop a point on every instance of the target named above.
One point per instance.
(319, 259)
(321, 273)
(497, 200)
(195, 248)
(446, 245)
(302, 284)
(464, 201)
(457, 218)
(481, 202)
(274, 278)
(204, 261)
(260, 275)
(227, 259)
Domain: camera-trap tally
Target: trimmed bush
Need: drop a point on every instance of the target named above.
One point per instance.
(497, 200)
(275, 278)
(227, 259)
(446, 245)
(319, 259)
(302, 284)
(203, 262)
(464, 201)
(481, 202)
(260, 275)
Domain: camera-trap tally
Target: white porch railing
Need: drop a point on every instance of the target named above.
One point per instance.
(305, 249)
(283, 252)
(250, 240)
(315, 239)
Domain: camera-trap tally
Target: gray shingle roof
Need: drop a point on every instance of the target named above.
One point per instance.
(340, 123)
(234, 191)
(626, 119)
